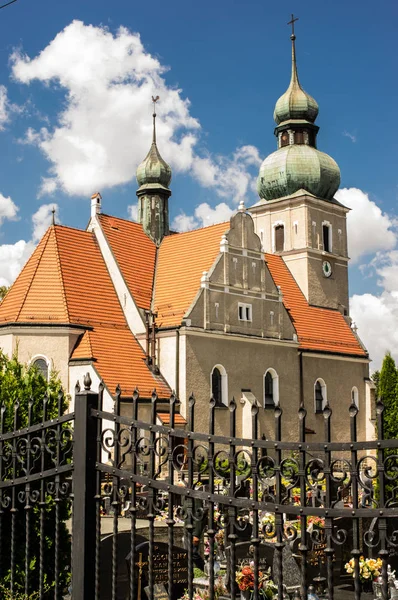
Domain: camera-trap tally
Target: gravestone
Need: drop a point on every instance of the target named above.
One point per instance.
(160, 568)
(123, 549)
(244, 553)
(290, 570)
(159, 592)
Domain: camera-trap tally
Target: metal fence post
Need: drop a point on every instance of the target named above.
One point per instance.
(84, 478)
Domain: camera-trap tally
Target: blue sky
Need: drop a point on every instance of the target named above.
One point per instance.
(219, 68)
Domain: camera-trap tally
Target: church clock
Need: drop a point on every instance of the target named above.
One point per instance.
(326, 268)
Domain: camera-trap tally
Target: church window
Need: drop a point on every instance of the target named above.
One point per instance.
(262, 235)
(219, 385)
(295, 227)
(355, 396)
(284, 139)
(271, 388)
(327, 236)
(320, 396)
(299, 137)
(235, 261)
(244, 312)
(271, 317)
(42, 366)
(279, 238)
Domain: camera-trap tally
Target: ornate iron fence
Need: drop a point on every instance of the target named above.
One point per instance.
(327, 501)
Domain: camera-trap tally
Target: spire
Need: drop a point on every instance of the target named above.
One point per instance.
(295, 103)
(294, 78)
(153, 177)
(154, 100)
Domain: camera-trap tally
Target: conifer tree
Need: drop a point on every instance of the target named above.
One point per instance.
(388, 392)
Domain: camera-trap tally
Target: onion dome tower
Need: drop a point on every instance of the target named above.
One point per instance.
(297, 164)
(154, 177)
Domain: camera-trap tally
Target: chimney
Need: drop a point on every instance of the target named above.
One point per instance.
(96, 204)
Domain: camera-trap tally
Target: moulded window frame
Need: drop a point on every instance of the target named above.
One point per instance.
(274, 226)
(47, 360)
(324, 393)
(245, 307)
(355, 396)
(224, 384)
(275, 388)
(329, 226)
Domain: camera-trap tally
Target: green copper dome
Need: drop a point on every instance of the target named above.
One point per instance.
(154, 171)
(296, 167)
(297, 164)
(295, 103)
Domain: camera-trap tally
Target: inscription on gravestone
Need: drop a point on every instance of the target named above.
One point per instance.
(160, 568)
(159, 592)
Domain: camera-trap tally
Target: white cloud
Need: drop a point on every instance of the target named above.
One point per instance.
(377, 321)
(12, 259)
(132, 211)
(104, 128)
(42, 220)
(369, 229)
(7, 108)
(351, 136)
(203, 216)
(8, 210)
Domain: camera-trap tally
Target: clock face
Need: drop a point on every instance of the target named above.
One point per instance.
(326, 268)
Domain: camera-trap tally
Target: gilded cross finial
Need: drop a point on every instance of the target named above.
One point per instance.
(154, 100)
(292, 22)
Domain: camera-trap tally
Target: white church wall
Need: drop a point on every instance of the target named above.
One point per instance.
(78, 373)
(6, 344)
(129, 307)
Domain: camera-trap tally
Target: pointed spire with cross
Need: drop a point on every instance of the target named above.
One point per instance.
(154, 100)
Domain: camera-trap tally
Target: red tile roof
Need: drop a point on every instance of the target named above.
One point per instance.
(66, 281)
(182, 258)
(135, 254)
(165, 419)
(317, 328)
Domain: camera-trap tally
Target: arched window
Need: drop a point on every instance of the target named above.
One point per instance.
(271, 389)
(320, 397)
(355, 396)
(279, 238)
(41, 365)
(284, 139)
(219, 385)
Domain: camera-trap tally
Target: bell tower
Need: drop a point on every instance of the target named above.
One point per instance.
(154, 177)
(297, 215)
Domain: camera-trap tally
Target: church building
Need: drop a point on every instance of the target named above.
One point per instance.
(256, 308)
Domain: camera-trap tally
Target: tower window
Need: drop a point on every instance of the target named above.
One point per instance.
(279, 238)
(299, 137)
(327, 237)
(284, 139)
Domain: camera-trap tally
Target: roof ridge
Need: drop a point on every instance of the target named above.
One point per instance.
(180, 233)
(48, 232)
(62, 276)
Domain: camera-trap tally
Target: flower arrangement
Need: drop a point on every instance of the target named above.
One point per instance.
(245, 580)
(203, 594)
(369, 568)
(318, 522)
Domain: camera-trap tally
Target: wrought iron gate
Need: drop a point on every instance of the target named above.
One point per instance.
(340, 497)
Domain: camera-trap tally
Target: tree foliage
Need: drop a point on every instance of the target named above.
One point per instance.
(25, 384)
(3, 291)
(388, 392)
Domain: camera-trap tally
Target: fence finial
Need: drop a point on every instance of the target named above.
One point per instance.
(87, 382)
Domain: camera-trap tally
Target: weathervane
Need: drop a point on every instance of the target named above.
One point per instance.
(293, 20)
(154, 100)
(53, 213)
